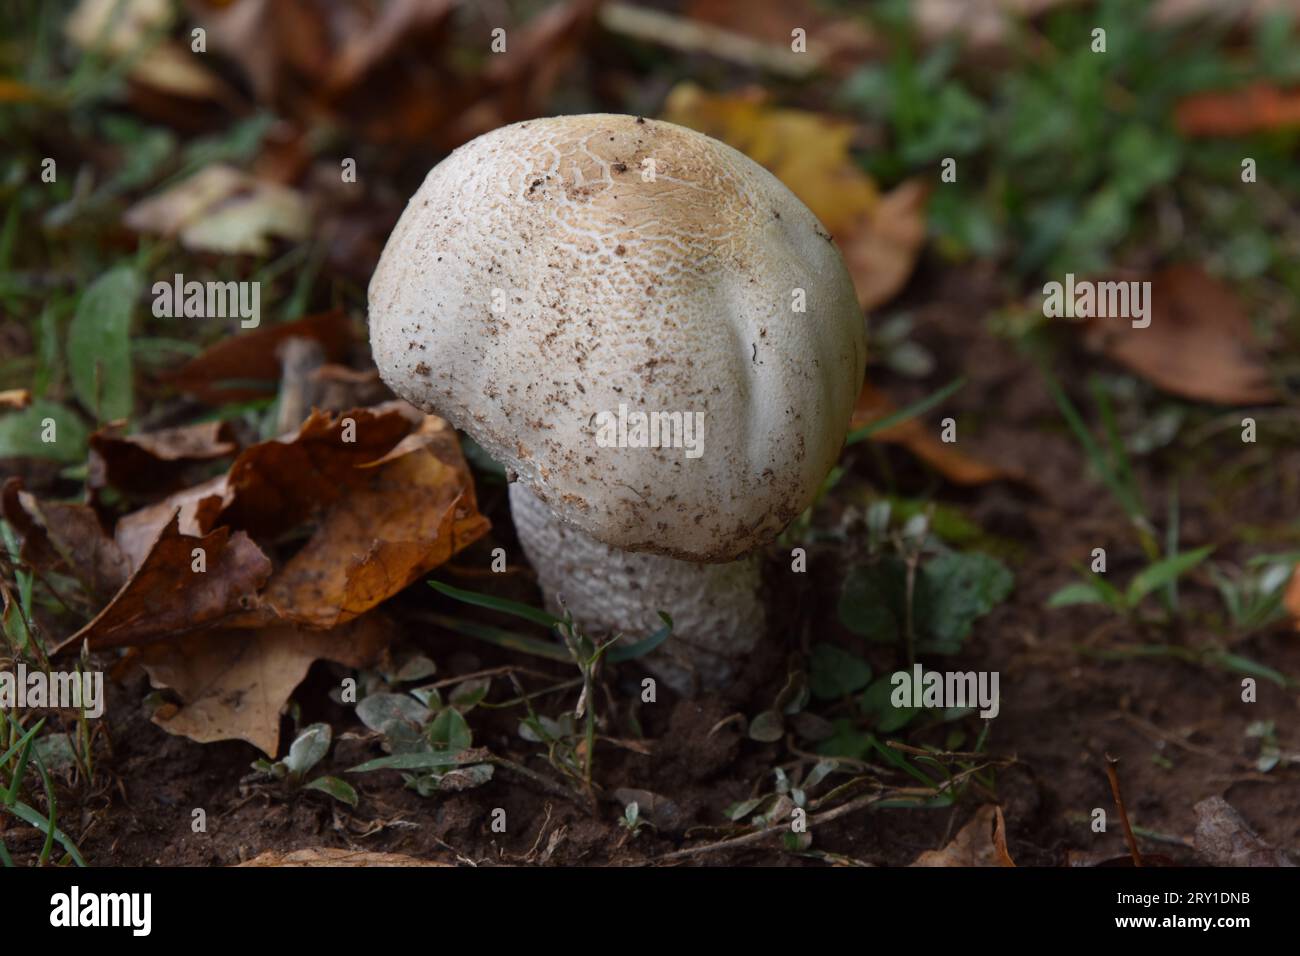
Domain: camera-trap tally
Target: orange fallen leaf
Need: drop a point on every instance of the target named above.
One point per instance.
(256, 495)
(169, 594)
(981, 842)
(1252, 109)
(414, 512)
(275, 485)
(11, 91)
(912, 434)
(233, 685)
(15, 398)
(1199, 344)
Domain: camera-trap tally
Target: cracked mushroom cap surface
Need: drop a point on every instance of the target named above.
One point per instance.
(552, 281)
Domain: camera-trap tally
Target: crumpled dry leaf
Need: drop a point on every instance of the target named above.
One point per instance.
(392, 496)
(957, 466)
(336, 856)
(880, 237)
(1199, 344)
(381, 69)
(166, 596)
(257, 496)
(222, 209)
(59, 536)
(981, 842)
(231, 370)
(152, 461)
(275, 485)
(1225, 839)
(234, 684)
(882, 253)
(413, 512)
(196, 510)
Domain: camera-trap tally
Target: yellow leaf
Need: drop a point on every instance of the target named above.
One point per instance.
(881, 237)
(806, 151)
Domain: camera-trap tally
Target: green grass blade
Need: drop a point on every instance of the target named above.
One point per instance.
(630, 652)
(503, 638)
(23, 741)
(415, 761)
(902, 415)
(504, 605)
(1158, 575)
(1123, 495)
(28, 815)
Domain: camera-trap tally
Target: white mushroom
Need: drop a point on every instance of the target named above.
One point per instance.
(554, 281)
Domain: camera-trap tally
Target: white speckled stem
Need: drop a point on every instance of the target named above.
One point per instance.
(717, 615)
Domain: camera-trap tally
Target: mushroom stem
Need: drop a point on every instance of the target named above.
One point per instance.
(717, 615)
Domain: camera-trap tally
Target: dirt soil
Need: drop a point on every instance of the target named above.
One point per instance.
(1177, 729)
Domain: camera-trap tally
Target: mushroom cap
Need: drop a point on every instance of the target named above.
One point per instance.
(551, 271)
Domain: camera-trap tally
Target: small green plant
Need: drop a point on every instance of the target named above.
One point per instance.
(915, 590)
(307, 750)
(428, 737)
(632, 821)
(1111, 463)
(1270, 751)
(1156, 576)
(785, 796)
(576, 648)
(1253, 596)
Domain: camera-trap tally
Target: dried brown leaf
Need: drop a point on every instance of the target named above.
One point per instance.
(234, 684)
(228, 371)
(62, 536)
(153, 461)
(1225, 839)
(166, 595)
(411, 515)
(957, 466)
(1199, 344)
(881, 249)
(976, 844)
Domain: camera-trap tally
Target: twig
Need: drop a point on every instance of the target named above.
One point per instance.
(758, 835)
(1111, 764)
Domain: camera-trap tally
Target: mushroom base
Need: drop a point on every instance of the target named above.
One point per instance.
(717, 615)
